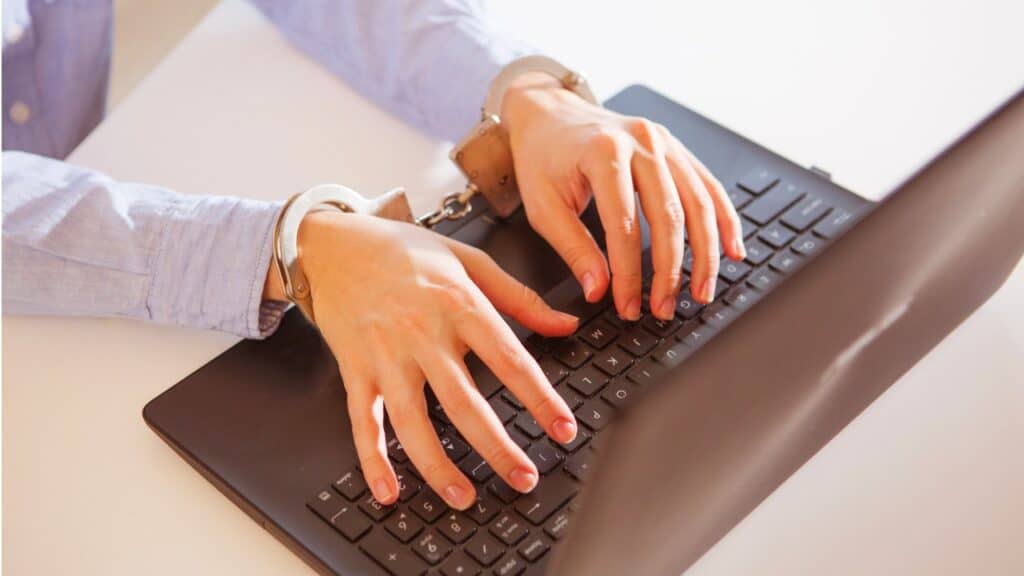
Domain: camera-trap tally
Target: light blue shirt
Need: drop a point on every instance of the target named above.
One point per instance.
(76, 242)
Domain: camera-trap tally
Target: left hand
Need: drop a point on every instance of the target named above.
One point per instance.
(567, 150)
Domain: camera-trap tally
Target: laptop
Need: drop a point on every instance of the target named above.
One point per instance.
(686, 425)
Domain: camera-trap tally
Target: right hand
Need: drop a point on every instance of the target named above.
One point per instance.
(399, 305)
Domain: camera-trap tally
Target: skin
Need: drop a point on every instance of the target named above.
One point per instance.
(409, 314)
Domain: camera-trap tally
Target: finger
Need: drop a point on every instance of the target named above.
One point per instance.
(473, 416)
(607, 170)
(492, 340)
(700, 226)
(366, 412)
(729, 227)
(560, 225)
(407, 409)
(511, 296)
(664, 212)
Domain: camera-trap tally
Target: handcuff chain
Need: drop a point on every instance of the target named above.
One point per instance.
(454, 206)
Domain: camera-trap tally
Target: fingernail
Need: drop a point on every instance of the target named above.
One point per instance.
(588, 285)
(523, 479)
(381, 490)
(739, 249)
(668, 307)
(633, 309)
(565, 430)
(455, 495)
(568, 317)
(707, 291)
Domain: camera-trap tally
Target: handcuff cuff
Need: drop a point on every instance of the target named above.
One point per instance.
(484, 156)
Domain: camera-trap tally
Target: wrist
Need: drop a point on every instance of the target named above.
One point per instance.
(526, 94)
(273, 286)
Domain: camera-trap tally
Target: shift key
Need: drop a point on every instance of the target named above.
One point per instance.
(549, 495)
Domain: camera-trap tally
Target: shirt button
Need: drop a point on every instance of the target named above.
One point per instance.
(13, 33)
(20, 112)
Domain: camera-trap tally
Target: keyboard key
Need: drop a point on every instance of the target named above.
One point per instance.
(739, 197)
(553, 369)
(741, 297)
(612, 361)
(503, 491)
(484, 548)
(620, 392)
(428, 505)
(403, 526)
(581, 439)
(351, 485)
(455, 448)
(786, 262)
(758, 180)
(408, 485)
(476, 468)
(661, 328)
(395, 450)
(733, 271)
(757, 252)
(834, 224)
(534, 547)
(763, 279)
(696, 335)
(747, 227)
(805, 214)
(510, 565)
(718, 315)
(511, 399)
(549, 495)
(557, 525)
(644, 373)
(456, 527)
(598, 334)
(340, 514)
(808, 245)
(588, 381)
(776, 235)
(517, 436)
(571, 352)
(526, 423)
(767, 207)
(485, 380)
(687, 307)
(458, 564)
(431, 547)
(637, 341)
(544, 456)
(594, 413)
(391, 555)
(670, 353)
(502, 410)
(571, 397)
(485, 508)
(375, 509)
(509, 529)
(578, 465)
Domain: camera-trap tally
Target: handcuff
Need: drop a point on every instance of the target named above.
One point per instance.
(484, 156)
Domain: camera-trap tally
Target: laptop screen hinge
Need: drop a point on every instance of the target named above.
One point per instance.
(821, 172)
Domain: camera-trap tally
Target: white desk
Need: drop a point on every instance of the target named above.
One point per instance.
(927, 480)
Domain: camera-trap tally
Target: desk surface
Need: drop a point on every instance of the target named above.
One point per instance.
(926, 481)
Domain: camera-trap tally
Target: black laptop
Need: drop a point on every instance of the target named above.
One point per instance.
(686, 424)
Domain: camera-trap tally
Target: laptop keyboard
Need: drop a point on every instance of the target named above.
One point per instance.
(597, 371)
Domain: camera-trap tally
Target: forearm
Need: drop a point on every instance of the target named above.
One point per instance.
(427, 62)
(79, 243)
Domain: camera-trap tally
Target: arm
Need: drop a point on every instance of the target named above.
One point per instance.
(428, 62)
(76, 242)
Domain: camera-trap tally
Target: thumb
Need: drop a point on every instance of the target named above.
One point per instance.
(511, 296)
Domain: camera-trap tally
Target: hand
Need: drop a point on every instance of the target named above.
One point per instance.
(399, 305)
(567, 150)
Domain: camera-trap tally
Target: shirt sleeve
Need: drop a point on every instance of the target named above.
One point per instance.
(427, 61)
(76, 242)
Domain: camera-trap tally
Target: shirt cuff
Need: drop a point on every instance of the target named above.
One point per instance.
(212, 263)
